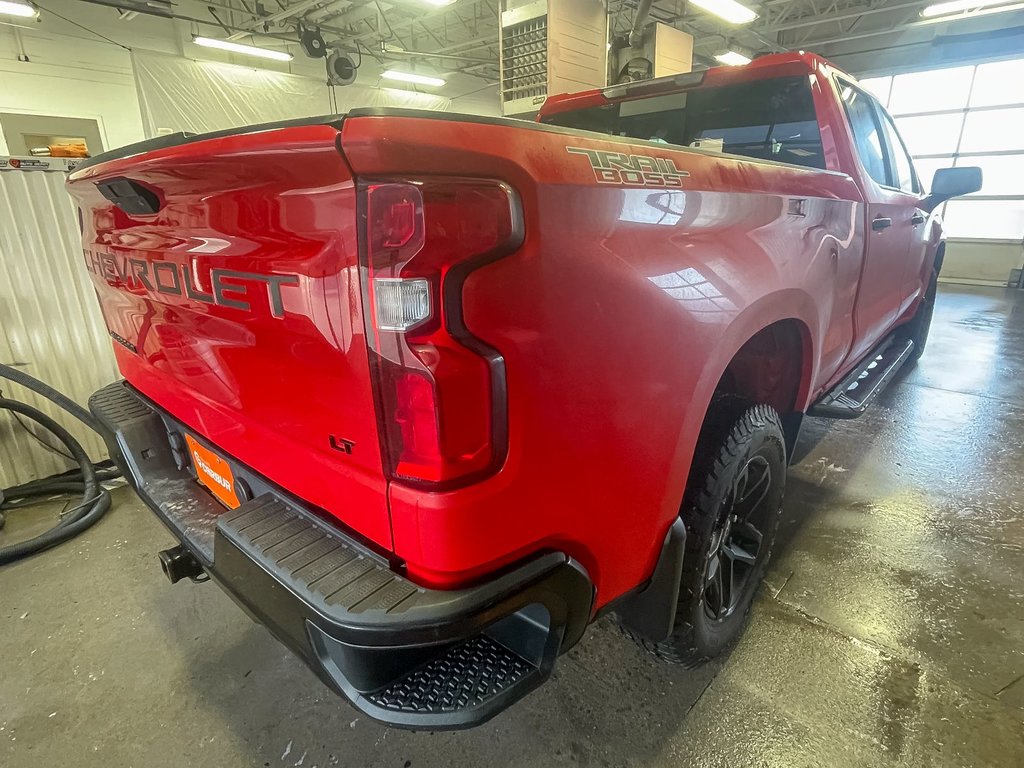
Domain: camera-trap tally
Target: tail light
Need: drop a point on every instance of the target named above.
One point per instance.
(440, 391)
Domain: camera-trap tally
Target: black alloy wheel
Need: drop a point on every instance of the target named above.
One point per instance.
(736, 543)
(731, 509)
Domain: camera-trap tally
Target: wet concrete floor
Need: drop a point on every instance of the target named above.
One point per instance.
(891, 630)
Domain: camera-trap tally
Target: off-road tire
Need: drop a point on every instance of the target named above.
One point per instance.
(917, 329)
(733, 434)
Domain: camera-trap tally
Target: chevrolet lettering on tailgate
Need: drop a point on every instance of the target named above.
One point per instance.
(229, 288)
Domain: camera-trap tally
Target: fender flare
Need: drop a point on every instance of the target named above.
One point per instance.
(650, 610)
(792, 305)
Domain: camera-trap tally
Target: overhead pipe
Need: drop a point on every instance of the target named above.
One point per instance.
(286, 13)
(636, 34)
(341, 45)
(434, 55)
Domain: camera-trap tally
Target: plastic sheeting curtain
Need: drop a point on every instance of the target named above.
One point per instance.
(178, 94)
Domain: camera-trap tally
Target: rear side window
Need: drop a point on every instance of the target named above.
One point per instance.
(767, 119)
(866, 132)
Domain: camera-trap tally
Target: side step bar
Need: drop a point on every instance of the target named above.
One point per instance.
(855, 393)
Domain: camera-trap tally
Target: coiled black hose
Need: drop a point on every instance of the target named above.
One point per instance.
(41, 388)
(85, 480)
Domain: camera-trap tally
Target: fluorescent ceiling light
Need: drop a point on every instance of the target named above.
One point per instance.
(248, 50)
(24, 10)
(409, 77)
(439, 2)
(729, 10)
(957, 6)
(733, 59)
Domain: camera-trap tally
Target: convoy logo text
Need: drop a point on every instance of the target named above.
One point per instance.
(632, 170)
(211, 473)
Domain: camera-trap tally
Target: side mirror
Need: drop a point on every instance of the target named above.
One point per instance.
(953, 182)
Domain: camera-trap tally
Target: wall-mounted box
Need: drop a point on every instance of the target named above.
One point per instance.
(665, 51)
(549, 47)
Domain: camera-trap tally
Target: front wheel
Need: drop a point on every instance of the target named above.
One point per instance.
(918, 328)
(731, 510)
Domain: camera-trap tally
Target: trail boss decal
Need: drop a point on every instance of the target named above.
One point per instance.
(229, 288)
(632, 170)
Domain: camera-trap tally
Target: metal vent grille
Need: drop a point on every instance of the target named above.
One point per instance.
(525, 59)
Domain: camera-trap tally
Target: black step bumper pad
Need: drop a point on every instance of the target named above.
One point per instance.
(401, 653)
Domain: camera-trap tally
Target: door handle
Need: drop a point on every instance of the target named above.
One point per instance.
(917, 218)
(881, 222)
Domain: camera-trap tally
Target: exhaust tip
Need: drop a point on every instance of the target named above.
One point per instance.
(178, 563)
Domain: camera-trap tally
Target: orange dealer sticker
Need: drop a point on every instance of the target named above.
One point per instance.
(213, 472)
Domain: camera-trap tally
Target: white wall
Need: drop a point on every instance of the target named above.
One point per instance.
(984, 262)
(87, 73)
(179, 94)
(485, 102)
(69, 76)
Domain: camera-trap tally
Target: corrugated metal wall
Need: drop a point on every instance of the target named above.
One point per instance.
(50, 322)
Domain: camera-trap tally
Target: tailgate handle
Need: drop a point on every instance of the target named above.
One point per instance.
(130, 196)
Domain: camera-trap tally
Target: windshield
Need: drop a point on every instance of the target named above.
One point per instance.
(767, 119)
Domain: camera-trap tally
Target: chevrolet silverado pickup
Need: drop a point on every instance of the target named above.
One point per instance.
(427, 394)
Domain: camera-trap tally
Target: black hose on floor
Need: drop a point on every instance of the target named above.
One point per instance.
(84, 481)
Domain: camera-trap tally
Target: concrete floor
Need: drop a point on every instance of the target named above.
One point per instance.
(891, 631)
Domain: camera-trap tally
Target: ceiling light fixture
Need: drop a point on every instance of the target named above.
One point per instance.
(733, 59)
(960, 6)
(24, 10)
(439, 2)
(248, 50)
(730, 10)
(409, 77)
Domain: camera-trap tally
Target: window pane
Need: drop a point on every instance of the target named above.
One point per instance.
(930, 91)
(768, 119)
(1001, 82)
(931, 135)
(898, 157)
(1001, 174)
(926, 168)
(996, 219)
(879, 87)
(995, 129)
(861, 115)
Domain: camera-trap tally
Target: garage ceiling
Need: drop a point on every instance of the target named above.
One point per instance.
(865, 36)
(461, 37)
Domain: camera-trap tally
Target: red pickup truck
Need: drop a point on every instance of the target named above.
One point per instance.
(429, 393)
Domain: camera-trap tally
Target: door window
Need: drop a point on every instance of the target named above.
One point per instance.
(899, 159)
(867, 134)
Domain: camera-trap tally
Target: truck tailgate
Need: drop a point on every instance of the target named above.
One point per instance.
(227, 272)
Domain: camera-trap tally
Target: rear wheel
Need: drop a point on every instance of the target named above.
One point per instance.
(731, 511)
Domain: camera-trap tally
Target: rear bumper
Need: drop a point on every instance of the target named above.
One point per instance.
(402, 654)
